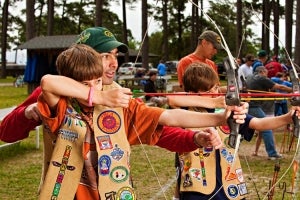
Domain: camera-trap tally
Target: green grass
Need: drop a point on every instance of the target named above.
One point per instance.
(8, 79)
(20, 165)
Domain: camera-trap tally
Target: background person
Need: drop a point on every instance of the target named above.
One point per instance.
(260, 82)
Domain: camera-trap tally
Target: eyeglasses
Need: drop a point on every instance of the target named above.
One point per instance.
(109, 56)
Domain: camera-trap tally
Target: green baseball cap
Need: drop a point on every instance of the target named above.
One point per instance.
(100, 39)
(212, 37)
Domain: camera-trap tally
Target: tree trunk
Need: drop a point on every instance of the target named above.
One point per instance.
(125, 36)
(30, 32)
(239, 29)
(265, 31)
(165, 48)
(289, 26)
(276, 26)
(297, 42)
(50, 18)
(195, 25)
(99, 8)
(145, 38)
(30, 20)
(4, 38)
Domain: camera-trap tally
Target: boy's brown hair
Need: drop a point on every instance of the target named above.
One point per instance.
(199, 77)
(79, 62)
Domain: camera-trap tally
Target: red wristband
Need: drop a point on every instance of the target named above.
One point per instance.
(91, 94)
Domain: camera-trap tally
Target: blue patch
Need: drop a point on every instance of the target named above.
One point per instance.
(104, 163)
(232, 191)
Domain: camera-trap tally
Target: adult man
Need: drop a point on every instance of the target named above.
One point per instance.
(209, 43)
(259, 81)
(261, 61)
(245, 69)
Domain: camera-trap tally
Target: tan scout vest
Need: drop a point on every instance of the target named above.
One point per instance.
(198, 170)
(63, 163)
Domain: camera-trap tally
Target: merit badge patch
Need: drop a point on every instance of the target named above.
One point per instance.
(117, 153)
(232, 191)
(104, 163)
(126, 193)
(243, 189)
(109, 122)
(104, 142)
(119, 174)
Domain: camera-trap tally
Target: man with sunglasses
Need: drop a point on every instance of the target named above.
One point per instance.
(208, 45)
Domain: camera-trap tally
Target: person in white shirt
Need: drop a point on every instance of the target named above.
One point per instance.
(245, 69)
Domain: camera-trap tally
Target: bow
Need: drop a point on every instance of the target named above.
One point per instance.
(232, 99)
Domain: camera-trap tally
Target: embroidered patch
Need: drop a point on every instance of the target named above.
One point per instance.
(126, 193)
(110, 195)
(119, 174)
(187, 182)
(62, 171)
(104, 163)
(83, 37)
(195, 173)
(68, 135)
(117, 153)
(232, 191)
(229, 175)
(239, 174)
(225, 129)
(109, 122)
(104, 142)
(242, 188)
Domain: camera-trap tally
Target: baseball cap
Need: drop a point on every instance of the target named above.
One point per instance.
(212, 37)
(100, 39)
(262, 53)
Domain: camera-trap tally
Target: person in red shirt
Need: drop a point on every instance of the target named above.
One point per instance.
(273, 67)
(209, 43)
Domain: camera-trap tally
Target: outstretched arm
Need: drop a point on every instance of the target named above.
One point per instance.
(196, 101)
(24, 118)
(53, 89)
(267, 123)
(190, 119)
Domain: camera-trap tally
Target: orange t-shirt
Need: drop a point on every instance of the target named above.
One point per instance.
(187, 60)
(140, 121)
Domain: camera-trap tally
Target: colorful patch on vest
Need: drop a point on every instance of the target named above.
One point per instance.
(68, 135)
(232, 191)
(110, 195)
(227, 155)
(239, 174)
(109, 122)
(195, 173)
(242, 188)
(104, 142)
(225, 129)
(187, 181)
(126, 193)
(229, 175)
(62, 170)
(117, 153)
(104, 163)
(119, 174)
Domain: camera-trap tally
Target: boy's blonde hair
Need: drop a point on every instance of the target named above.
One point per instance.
(79, 62)
(199, 77)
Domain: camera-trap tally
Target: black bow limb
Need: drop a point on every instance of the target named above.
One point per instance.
(232, 98)
(295, 101)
